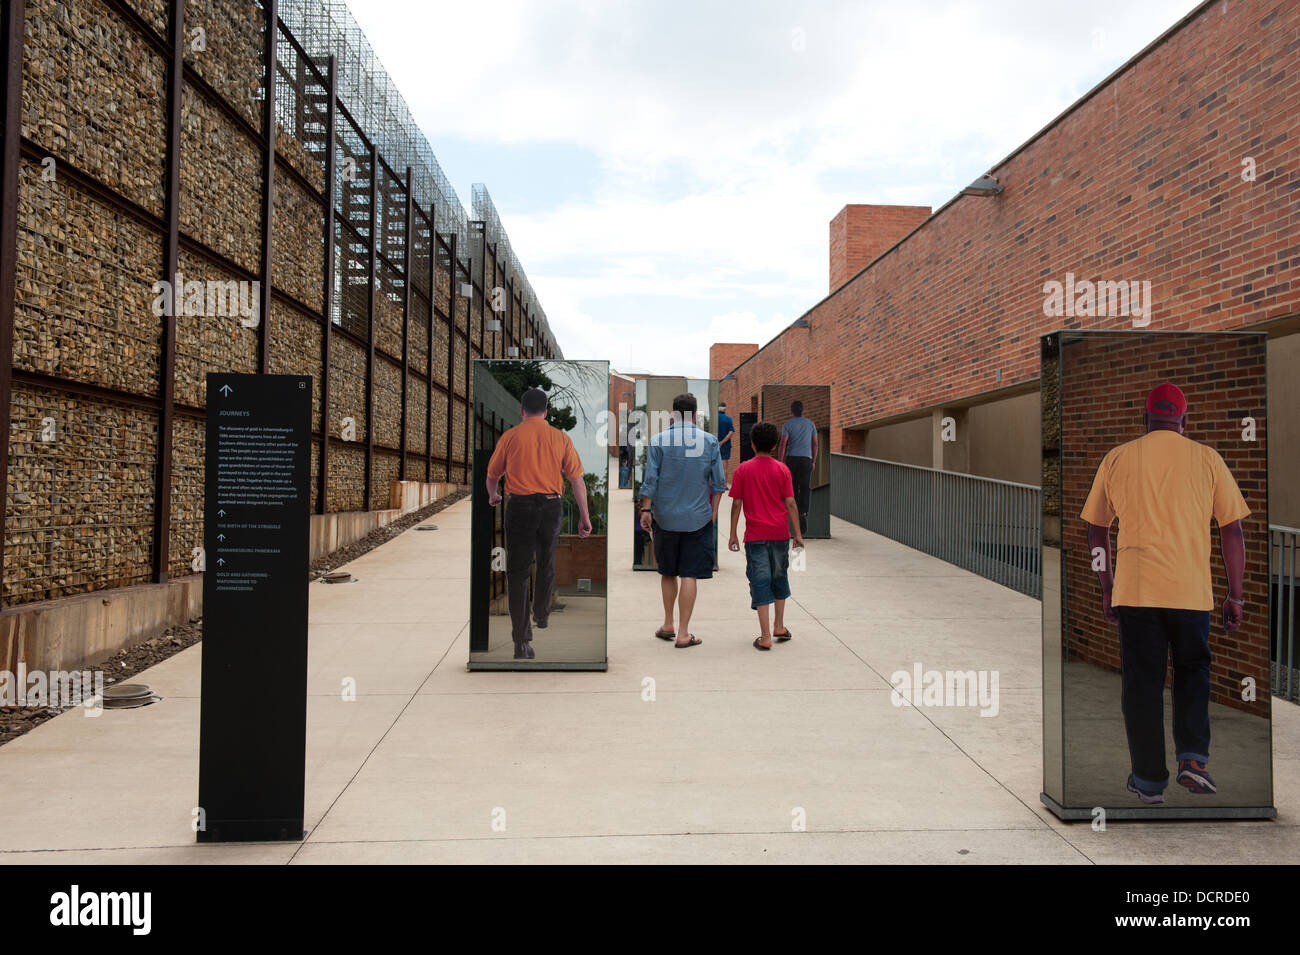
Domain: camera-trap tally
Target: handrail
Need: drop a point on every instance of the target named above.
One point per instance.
(1284, 676)
(921, 467)
(988, 526)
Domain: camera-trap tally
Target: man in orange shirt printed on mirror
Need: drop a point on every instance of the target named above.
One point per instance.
(534, 458)
(1164, 488)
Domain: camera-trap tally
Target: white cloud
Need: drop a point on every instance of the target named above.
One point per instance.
(724, 149)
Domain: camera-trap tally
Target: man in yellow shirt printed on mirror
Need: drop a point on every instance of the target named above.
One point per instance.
(1164, 488)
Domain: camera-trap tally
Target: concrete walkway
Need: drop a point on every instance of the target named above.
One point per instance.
(735, 748)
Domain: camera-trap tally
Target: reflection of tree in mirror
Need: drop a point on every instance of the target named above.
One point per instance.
(517, 377)
(597, 505)
(702, 407)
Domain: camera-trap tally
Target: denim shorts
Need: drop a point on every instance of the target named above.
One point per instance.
(767, 564)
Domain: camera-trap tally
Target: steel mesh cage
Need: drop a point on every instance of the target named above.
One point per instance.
(382, 118)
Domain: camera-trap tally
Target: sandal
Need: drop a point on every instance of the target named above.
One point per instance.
(783, 637)
(694, 642)
(663, 634)
(759, 646)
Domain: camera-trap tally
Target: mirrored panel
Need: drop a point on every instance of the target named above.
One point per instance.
(803, 414)
(538, 585)
(622, 401)
(705, 392)
(1052, 592)
(1155, 463)
(654, 406)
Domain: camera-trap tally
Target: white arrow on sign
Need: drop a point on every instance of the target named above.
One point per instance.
(225, 389)
(221, 562)
(221, 513)
(221, 537)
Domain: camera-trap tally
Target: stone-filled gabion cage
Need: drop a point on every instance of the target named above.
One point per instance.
(255, 157)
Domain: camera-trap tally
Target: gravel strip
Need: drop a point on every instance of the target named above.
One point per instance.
(17, 720)
(382, 535)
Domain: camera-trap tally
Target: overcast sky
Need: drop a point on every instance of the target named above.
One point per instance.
(667, 171)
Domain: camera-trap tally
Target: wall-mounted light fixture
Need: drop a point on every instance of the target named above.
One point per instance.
(528, 343)
(512, 352)
(494, 325)
(985, 186)
(466, 290)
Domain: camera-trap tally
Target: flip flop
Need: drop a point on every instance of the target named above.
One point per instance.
(695, 642)
(783, 637)
(759, 646)
(663, 634)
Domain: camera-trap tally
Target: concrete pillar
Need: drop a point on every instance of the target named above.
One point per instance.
(950, 440)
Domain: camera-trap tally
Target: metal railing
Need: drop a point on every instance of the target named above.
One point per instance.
(1283, 546)
(989, 527)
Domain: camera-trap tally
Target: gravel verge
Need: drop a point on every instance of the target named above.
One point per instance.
(17, 720)
(382, 535)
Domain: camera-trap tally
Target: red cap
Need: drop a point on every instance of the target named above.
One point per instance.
(1167, 399)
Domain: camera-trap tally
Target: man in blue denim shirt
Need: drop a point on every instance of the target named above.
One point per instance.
(679, 506)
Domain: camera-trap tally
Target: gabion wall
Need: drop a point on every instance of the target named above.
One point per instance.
(89, 357)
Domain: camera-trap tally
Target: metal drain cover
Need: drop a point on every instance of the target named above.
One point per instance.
(131, 704)
(338, 577)
(128, 695)
(127, 691)
(427, 527)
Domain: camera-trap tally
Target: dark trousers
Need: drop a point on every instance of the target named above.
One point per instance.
(1147, 636)
(532, 527)
(801, 475)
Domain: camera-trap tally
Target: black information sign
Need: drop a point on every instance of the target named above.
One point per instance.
(253, 709)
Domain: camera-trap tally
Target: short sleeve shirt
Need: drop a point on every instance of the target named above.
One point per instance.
(725, 427)
(683, 471)
(1163, 488)
(799, 430)
(535, 458)
(762, 484)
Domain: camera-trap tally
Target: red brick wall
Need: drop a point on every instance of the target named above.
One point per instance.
(859, 233)
(580, 557)
(1104, 383)
(1140, 182)
(724, 356)
(775, 403)
(622, 394)
(853, 442)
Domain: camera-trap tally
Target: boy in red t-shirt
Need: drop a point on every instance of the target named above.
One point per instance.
(764, 488)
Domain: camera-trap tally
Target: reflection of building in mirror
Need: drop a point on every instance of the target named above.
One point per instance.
(705, 393)
(1159, 637)
(802, 414)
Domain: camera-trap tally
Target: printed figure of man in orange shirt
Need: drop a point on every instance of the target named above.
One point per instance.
(534, 458)
(1164, 488)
